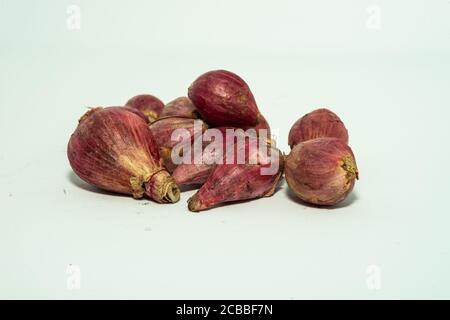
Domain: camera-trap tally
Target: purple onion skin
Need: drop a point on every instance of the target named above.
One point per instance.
(222, 98)
(192, 174)
(230, 182)
(113, 149)
(162, 130)
(187, 174)
(320, 123)
(138, 113)
(149, 105)
(180, 107)
(321, 171)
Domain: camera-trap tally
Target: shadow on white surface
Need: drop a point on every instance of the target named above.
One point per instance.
(76, 181)
(352, 197)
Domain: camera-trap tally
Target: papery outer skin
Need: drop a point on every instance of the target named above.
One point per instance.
(149, 105)
(180, 107)
(222, 98)
(321, 171)
(139, 113)
(234, 182)
(162, 131)
(133, 110)
(320, 123)
(113, 149)
(197, 174)
(262, 124)
(158, 186)
(192, 174)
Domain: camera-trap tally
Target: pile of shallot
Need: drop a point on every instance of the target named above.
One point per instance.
(215, 139)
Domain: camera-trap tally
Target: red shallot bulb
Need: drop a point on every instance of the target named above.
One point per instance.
(234, 181)
(321, 171)
(113, 149)
(222, 98)
(180, 107)
(149, 105)
(320, 123)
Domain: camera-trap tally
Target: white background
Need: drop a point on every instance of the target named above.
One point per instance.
(386, 75)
